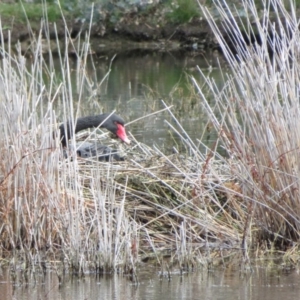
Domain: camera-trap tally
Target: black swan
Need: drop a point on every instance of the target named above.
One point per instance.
(111, 122)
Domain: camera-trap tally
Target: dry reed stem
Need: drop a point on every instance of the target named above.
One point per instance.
(259, 124)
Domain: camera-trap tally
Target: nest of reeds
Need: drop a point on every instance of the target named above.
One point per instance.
(171, 199)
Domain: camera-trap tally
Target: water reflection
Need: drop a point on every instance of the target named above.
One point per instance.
(267, 284)
(137, 83)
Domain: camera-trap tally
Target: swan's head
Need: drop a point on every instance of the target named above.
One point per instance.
(115, 124)
(121, 133)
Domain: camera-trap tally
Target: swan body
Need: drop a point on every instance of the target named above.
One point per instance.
(111, 122)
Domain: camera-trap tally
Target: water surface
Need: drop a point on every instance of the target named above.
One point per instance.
(136, 86)
(262, 283)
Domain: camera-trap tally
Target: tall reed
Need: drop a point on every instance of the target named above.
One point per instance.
(257, 119)
(53, 207)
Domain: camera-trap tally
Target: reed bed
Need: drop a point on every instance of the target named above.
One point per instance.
(197, 208)
(256, 115)
(86, 216)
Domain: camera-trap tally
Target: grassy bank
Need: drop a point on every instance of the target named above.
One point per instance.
(179, 210)
(111, 12)
(19, 12)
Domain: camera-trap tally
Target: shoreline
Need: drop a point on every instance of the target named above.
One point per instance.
(194, 36)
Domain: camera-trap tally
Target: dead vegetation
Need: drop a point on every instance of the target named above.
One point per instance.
(89, 216)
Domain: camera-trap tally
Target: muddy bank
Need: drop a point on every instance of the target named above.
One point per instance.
(127, 34)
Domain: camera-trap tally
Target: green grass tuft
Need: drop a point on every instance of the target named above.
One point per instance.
(183, 11)
(33, 11)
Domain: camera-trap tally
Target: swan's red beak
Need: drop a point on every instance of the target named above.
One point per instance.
(121, 133)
